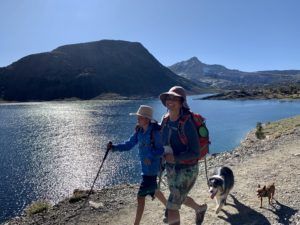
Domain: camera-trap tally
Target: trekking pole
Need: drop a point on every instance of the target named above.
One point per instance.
(161, 170)
(92, 187)
(104, 158)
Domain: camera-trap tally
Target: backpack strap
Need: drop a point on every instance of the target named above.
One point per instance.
(137, 128)
(181, 123)
(181, 133)
(197, 119)
(164, 121)
(152, 141)
(155, 126)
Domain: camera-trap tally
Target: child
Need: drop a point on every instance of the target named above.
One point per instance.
(147, 136)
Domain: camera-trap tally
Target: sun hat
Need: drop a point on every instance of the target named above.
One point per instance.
(176, 91)
(145, 111)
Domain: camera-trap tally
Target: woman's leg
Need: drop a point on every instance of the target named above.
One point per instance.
(180, 181)
(139, 210)
(189, 202)
(173, 217)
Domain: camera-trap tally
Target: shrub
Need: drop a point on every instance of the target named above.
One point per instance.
(259, 131)
(37, 207)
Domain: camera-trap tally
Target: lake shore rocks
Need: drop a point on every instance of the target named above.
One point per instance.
(251, 95)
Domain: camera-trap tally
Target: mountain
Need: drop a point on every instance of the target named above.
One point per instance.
(221, 77)
(89, 70)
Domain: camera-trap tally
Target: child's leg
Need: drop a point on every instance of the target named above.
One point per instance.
(139, 210)
(161, 197)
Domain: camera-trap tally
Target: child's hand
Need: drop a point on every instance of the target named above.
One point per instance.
(147, 162)
(109, 145)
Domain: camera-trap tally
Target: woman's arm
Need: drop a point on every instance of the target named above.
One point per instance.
(193, 142)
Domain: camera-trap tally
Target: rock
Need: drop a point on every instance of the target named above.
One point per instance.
(96, 205)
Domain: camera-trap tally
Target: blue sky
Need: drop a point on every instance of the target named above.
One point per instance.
(248, 35)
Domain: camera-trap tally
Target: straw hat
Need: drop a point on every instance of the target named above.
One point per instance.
(175, 91)
(145, 111)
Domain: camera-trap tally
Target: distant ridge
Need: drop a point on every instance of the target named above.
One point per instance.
(87, 71)
(219, 76)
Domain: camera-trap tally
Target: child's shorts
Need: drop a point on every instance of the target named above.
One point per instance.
(148, 186)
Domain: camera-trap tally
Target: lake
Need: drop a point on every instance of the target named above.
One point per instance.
(48, 149)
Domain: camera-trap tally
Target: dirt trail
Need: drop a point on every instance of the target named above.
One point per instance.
(281, 165)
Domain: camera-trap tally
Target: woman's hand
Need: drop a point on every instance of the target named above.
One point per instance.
(170, 158)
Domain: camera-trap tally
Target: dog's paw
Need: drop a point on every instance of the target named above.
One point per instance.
(218, 209)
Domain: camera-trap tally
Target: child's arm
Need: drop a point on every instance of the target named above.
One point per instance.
(127, 145)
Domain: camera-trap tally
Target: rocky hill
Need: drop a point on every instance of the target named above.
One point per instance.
(221, 77)
(89, 70)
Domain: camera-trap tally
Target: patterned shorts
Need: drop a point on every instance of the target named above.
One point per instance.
(181, 179)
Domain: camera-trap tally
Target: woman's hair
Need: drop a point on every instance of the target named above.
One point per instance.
(184, 111)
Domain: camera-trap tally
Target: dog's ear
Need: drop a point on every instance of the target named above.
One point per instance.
(264, 187)
(258, 186)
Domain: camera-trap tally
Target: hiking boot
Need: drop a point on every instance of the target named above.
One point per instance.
(200, 215)
(165, 220)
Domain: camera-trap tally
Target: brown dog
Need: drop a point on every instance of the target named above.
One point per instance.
(266, 191)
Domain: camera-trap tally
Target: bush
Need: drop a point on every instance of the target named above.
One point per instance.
(259, 131)
(37, 207)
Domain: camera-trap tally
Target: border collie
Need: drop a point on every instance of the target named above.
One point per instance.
(220, 184)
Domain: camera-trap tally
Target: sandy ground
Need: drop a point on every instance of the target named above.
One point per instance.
(281, 165)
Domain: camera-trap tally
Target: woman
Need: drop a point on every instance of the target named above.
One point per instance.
(181, 175)
(148, 138)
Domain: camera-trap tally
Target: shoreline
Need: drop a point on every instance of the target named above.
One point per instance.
(227, 95)
(251, 95)
(112, 98)
(118, 202)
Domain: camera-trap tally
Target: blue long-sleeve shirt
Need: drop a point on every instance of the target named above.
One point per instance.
(146, 150)
(181, 151)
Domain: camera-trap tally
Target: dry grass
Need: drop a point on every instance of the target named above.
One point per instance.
(38, 207)
(285, 126)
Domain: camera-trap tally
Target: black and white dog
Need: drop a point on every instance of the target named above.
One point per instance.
(220, 184)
